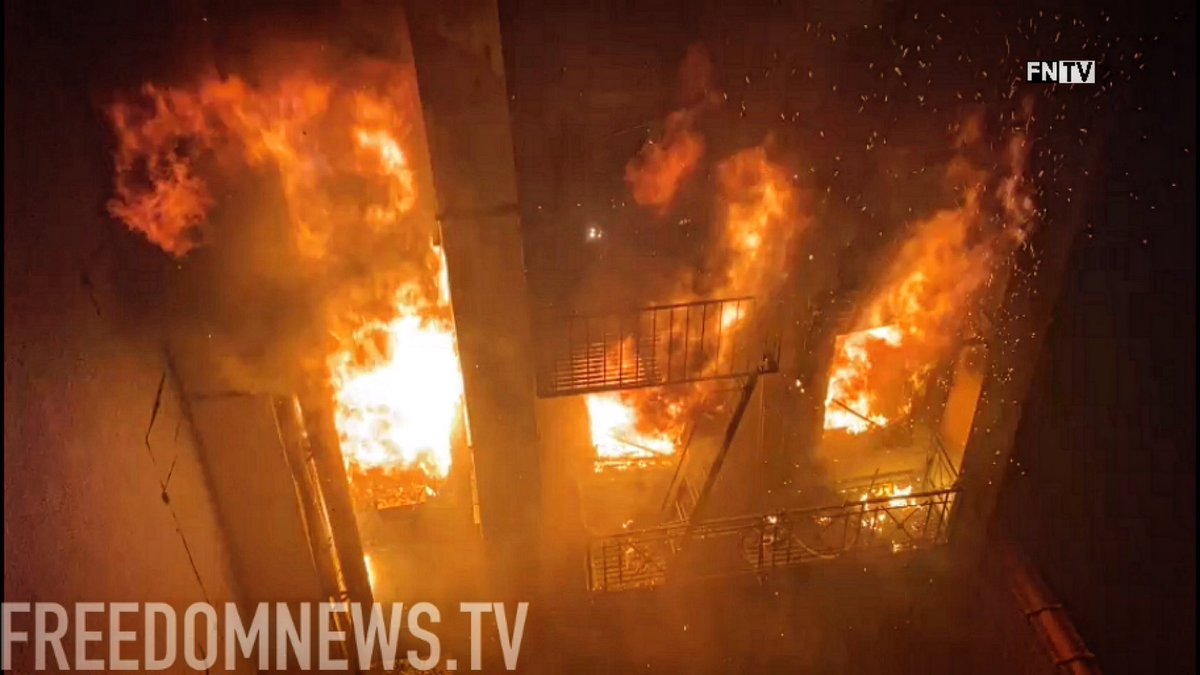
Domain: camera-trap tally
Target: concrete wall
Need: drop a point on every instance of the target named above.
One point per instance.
(458, 56)
(104, 495)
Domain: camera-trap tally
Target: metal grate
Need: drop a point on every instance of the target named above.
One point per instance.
(655, 346)
(761, 543)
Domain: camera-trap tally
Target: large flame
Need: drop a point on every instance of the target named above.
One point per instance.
(850, 403)
(925, 297)
(398, 383)
(760, 216)
(921, 306)
(337, 149)
(616, 434)
(398, 392)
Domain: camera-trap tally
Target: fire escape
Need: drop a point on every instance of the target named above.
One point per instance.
(677, 344)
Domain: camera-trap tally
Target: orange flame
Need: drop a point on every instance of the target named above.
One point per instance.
(655, 174)
(344, 174)
(850, 403)
(913, 318)
(291, 127)
(616, 434)
(760, 217)
(925, 297)
(898, 498)
(398, 394)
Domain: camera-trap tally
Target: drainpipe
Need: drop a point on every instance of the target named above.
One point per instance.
(1046, 615)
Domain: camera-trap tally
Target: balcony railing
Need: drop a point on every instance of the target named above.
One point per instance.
(655, 346)
(761, 543)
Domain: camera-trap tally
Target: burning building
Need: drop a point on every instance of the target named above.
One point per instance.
(451, 315)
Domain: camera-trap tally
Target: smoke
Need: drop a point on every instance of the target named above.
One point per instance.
(290, 195)
(696, 77)
(656, 173)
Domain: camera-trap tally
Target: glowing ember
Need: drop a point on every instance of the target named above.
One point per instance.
(898, 498)
(370, 571)
(897, 494)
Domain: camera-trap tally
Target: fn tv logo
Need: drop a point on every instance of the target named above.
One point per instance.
(1061, 72)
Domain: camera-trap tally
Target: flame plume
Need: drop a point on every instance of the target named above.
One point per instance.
(655, 174)
(926, 297)
(659, 169)
(760, 216)
(350, 192)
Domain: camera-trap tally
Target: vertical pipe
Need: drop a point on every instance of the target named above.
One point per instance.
(339, 507)
(1046, 615)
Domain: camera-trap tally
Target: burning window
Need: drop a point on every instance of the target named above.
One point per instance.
(398, 397)
(702, 341)
(853, 403)
(623, 438)
(373, 279)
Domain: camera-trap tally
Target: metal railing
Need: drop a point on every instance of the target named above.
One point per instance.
(654, 346)
(939, 468)
(697, 471)
(759, 544)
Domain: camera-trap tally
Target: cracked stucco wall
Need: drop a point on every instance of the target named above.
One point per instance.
(105, 498)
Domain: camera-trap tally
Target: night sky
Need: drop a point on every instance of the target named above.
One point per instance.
(1102, 494)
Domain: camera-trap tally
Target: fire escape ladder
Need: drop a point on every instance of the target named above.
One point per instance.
(694, 478)
(726, 444)
(939, 469)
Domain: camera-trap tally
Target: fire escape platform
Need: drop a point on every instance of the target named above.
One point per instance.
(655, 346)
(894, 512)
(759, 544)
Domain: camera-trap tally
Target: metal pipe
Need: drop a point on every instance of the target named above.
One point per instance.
(339, 507)
(1046, 615)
